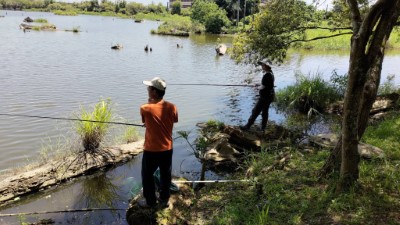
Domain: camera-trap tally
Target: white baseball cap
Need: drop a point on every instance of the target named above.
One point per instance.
(156, 82)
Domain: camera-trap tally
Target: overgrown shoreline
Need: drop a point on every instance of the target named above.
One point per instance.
(292, 193)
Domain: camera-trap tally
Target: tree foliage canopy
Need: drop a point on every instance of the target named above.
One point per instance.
(209, 14)
(280, 24)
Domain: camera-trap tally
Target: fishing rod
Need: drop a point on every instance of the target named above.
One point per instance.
(70, 119)
(220, 85)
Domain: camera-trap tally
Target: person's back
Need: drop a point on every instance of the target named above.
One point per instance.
(267, 83)
(159, 119)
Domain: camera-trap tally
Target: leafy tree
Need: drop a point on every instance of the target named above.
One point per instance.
(209, 14)
(201, 8)
(282, 25)
(159, 8)
(214, 21)
(56, 6)
(249, 7)
(176, 7)
(277, 28)
(133, 8)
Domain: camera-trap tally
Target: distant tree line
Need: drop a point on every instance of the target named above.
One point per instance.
(217, 16)
(119, 6)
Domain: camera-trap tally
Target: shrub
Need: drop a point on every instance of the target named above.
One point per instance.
(131, 135)
(388, 87)
(339, 82)
(214, 21)
(201, 8)
(40, 20)
(308, 94)
(92, 133)
(134, 8)
(178, 28)
(176, 7)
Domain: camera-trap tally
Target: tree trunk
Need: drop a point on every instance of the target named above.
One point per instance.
(332, 164)
(367, 52)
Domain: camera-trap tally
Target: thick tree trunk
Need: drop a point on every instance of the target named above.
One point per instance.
(367, 51)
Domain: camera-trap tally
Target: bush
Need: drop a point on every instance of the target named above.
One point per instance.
(158, 9)
(131, 135)
(308, 94)
(40, 20)
(214, 21)
(92, 133)
(177, 28)
(388, 87)
(134, 8)
(200, 10)
(186, 12)
(176, 7)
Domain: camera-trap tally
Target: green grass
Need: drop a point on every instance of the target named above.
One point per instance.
(334, 43)
(340, 42)
(181, 28)
(309, 93)
(92, 133)
(292, 194)
(130, 135)
(386, 136)
(166, 17)
(65, 13)
(40, 20)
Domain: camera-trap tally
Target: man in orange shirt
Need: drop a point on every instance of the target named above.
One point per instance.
(159, 117)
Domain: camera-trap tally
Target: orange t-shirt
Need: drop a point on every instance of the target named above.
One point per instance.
(159, 119)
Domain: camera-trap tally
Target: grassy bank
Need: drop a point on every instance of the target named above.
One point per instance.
(292, 194)
(340, 42)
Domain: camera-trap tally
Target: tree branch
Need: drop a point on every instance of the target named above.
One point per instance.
(326, 28)
(355, 14)
(317, 38)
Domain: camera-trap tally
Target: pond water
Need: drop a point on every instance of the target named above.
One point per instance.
(54, 74)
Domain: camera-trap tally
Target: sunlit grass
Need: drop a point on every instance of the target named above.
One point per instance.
(65, 13)
(309, 92)
(92, 133)
(334, 43)
(341, 42)
(130, 135)
(40, 20)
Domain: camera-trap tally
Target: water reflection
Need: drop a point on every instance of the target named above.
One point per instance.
(98, 192)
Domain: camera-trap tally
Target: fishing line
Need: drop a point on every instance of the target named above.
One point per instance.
(70, 119)
(209, 181)
(222, 85)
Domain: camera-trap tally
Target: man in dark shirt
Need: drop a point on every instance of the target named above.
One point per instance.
(267, 95)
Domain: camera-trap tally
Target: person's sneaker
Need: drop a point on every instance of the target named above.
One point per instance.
(142, 203)
(163, 203)
(245, 127)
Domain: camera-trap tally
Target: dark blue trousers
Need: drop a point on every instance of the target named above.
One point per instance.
(150, 162)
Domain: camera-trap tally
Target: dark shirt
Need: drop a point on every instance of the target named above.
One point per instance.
(268, 83)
